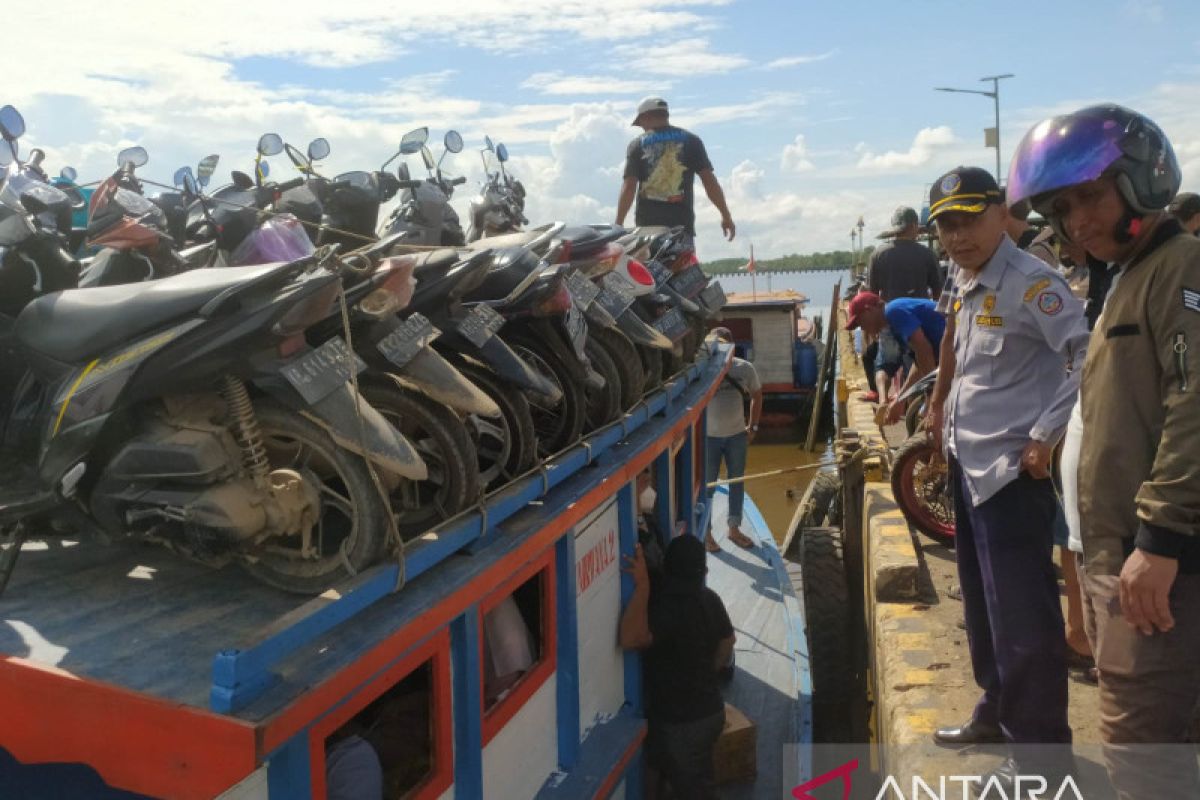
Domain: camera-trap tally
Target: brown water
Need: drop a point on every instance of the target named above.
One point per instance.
(777, 496)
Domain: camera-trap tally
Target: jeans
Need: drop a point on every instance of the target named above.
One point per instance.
(733, 450)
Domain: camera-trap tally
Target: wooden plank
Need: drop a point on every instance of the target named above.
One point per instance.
(827, 359)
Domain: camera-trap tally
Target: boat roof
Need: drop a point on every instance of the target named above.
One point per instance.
(781, 298)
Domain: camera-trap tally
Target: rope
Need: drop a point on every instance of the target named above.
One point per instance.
(769, 474)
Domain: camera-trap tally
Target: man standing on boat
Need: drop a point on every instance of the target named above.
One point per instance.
(1008, 377)
(729, 437)
(1102, 176)
(659, 168)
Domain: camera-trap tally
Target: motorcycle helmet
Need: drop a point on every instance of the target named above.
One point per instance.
(1075, 148)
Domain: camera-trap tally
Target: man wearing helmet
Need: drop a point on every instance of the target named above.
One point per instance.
(1007, 386)
(1102, 177)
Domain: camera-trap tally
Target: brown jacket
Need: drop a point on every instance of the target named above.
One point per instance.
(1139, 467)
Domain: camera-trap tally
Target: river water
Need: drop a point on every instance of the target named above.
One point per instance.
(776, 497)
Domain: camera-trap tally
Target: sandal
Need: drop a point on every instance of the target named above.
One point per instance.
(710, 544)
(741, 540)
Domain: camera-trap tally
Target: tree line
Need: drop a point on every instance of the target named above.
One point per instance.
(832, 260)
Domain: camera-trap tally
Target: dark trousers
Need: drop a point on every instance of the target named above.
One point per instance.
(683, 753)
(1010, 600)
(868, 359)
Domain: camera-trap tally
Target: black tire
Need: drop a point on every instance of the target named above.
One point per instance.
(672, 364)
(914, 415)
(561, 426)
(625, 356)
(920, 486)
(443, 443)
(353, 514)
(652, 366)
(827, 617)
(498, 464)
(822, 501)
(603, 404)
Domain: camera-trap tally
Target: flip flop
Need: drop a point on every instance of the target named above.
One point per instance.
(742, 540)
(710, 544)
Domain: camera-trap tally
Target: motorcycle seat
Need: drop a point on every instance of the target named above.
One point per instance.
(75, 325)
(518, 239)
(435, 264)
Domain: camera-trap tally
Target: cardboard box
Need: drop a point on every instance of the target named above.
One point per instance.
(735, 755)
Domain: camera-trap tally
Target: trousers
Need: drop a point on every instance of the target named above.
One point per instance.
(733, 450)
(1010, 601)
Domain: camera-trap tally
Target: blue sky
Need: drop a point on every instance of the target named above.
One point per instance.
(813, 113)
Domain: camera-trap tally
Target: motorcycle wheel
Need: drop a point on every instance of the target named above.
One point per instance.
(914, 415)
(921, 485)
(652, 366)
(603, 404)
(557, 427)
(624, 356)
(505, 447)
(352, 524)
(443, 443)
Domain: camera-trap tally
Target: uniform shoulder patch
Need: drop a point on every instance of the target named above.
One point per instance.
(1036, 288)
(1191, 299)
(1050, 303)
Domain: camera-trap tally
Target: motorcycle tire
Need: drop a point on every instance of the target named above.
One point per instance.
(652, 366)
(920, 484)
(352, 508)
(625, 357)
(505, 447)
(914, 415)
(556, 428)
(603, 404)
(693, 338)
(442, 441)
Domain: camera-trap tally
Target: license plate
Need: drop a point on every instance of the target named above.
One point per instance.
(582, 289)
(661, 274)
(481, 325)
(713, 296)
(616, 296)
(576, 329)
(318, 374)
(402, 345)
(672, 325)
(690, 282)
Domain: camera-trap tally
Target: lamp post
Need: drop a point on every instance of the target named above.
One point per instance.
(995, 95)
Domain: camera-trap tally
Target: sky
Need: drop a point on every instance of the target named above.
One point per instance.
(813, 113)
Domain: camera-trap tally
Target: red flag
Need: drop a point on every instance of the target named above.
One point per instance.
(749, 265)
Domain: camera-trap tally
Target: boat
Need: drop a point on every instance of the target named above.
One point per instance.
(771, 331)
(127, 672)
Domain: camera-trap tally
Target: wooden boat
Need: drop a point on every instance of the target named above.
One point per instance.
(128, 672)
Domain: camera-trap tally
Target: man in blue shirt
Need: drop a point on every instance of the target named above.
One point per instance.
(916, 326)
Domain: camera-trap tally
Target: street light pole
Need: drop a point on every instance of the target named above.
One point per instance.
(995, 95)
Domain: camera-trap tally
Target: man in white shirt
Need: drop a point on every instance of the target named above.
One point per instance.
(729, 437)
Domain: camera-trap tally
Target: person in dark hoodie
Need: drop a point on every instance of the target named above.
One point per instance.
(685, 633)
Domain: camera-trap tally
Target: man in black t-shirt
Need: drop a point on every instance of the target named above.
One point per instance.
(659, 168)
(688, 639)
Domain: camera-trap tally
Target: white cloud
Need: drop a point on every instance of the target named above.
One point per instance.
(793, 61)
(925, 144)
(767, 105)
(684, 58)
(795, 156)
(557, 83)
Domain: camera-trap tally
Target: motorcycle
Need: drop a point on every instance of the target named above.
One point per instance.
(424, 212)
(190, 411)
(500, 205)
(920, 474)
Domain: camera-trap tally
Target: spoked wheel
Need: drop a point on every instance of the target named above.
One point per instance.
(603, 404)
(444, 445)
(505, 447)
(561, 425)
(921, 485)
(351, 522)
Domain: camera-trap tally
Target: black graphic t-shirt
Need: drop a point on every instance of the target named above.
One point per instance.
(665, 162)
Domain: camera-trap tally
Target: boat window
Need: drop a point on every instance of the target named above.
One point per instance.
(394, 734)
(516, 642)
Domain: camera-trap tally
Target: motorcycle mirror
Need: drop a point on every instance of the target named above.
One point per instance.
(318, 149)
(12, 124)
(413, 141)
(206, 168)
(264, 169)
(189, 182)
(427, 157)
(453, 141)
(180, 174)
(133, 157)
(68, 174)
(501, 153)
(487, 144)
(297, 157)
(270, 144)
(241, 180)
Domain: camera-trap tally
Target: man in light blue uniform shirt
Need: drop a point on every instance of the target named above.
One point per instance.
(1009, 376)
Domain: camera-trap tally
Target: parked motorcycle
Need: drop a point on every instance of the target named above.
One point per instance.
(424, 212)
(500, 205)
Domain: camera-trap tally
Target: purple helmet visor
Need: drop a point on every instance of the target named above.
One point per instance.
(1064, 151)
